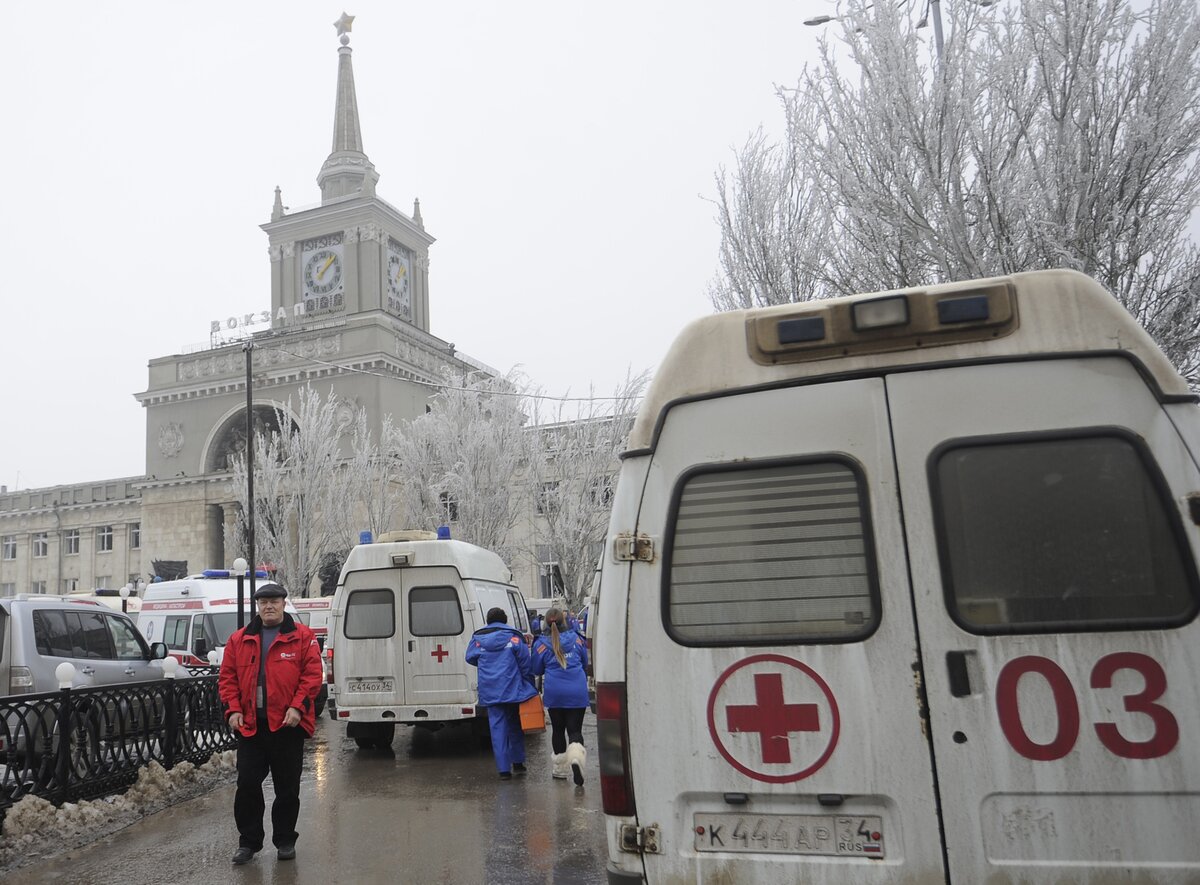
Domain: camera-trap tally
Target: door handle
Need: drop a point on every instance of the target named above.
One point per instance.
(959, 673)
(88, 671)
(129, 671)
(411, 644)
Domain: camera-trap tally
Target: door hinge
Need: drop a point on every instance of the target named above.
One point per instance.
(640, 839)
(628, 547)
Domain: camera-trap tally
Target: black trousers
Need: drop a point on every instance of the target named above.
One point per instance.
(280, 753)
(566, 723)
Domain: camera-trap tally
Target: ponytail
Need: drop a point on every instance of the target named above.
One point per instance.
(554, 618)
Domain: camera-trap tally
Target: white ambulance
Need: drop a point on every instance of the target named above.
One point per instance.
(902, 589)
(403, 612)
(196, 615)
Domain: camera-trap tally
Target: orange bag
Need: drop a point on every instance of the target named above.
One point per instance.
(533, 715)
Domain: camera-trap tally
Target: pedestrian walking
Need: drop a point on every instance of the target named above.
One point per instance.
(270, 676)
(559, 654)
(502, 657)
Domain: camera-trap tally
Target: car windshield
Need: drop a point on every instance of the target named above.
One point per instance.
(224, 625)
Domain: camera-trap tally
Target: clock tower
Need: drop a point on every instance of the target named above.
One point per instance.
(349, 313)
(354, 253)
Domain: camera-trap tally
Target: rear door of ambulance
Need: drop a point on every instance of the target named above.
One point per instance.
(369, 670)
(773, 700)
(434, 633)
(1047, 511)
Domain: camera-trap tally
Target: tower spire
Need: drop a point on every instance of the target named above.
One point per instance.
(347, 170)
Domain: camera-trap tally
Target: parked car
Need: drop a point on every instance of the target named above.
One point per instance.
(38, 633)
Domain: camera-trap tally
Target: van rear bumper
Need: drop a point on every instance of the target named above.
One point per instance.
(411, 715)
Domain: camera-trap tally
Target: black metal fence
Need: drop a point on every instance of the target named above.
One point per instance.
(84, 743)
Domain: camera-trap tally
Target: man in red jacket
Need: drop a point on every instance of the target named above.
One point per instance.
(270, 676)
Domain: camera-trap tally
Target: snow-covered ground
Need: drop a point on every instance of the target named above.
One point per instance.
(34, 829)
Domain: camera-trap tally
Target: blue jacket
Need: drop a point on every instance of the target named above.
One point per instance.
(562, 689)
(500, 653)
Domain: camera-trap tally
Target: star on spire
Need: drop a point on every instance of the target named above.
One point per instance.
(343, 24)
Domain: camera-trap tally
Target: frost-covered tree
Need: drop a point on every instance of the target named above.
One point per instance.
(1051, 133)
(572, 474)
(305, 492)
(457, 462)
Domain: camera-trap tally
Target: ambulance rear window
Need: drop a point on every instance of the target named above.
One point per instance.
(370, 614)
(1059, 534)
(434, 611)
(770, 554)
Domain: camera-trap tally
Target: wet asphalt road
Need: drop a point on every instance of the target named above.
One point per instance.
(432, 810)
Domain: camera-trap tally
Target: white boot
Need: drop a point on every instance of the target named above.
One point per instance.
(559, 771)
(577, 756)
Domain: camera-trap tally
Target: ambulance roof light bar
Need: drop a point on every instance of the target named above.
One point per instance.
(900, 321)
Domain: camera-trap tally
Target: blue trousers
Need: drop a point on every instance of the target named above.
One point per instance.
(508, 741)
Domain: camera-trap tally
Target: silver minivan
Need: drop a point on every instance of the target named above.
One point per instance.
(38, 633)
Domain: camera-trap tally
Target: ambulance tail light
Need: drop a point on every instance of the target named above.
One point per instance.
(612, 736)
(329, 666)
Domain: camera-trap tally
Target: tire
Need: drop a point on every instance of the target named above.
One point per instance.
(365, 743)
(385, 733)
(322, 696)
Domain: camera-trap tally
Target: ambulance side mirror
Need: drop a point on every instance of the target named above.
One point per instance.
(200, 648)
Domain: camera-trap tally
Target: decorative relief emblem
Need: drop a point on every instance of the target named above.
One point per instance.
(351, 234)
(276, 252)
(170, 439)
(371, 232)
(344, 414)
(289, 250)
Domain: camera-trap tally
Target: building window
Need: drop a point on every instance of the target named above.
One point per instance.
(547, 497)
(104, 538)
(550, 580)
(102, 582)
(41, 544)
(449, 508)
(70, 585)
(10, 547)
(37, 587)
(8, 589)
(601, 492)
(71, 541)
(135, 535)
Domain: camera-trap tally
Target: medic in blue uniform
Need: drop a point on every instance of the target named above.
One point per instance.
(502, 658)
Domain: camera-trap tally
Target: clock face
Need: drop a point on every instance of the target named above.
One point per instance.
(399, 282)
(322, 272)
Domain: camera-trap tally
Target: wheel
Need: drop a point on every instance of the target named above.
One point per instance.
(322, 696)
(384, 734)
(367, 743)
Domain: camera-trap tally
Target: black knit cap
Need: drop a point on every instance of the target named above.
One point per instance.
(267, 591)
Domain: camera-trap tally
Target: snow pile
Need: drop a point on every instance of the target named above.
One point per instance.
(35, 829)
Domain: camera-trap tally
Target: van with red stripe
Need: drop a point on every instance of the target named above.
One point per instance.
(196, 615)
(902, 588)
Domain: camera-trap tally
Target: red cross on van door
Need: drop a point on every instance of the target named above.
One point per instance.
(439, 653)
(773, 718)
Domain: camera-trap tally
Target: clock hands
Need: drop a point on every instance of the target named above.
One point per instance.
(325, 267)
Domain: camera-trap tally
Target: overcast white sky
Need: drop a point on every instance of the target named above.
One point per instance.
(563, 153)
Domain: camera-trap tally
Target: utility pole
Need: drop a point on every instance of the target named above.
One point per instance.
(248, 347)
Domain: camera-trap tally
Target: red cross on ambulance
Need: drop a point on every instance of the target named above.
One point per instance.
(773, 718)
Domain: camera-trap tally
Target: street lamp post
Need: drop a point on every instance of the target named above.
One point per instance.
(239, 566)
(125, 591)
(249, 348)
